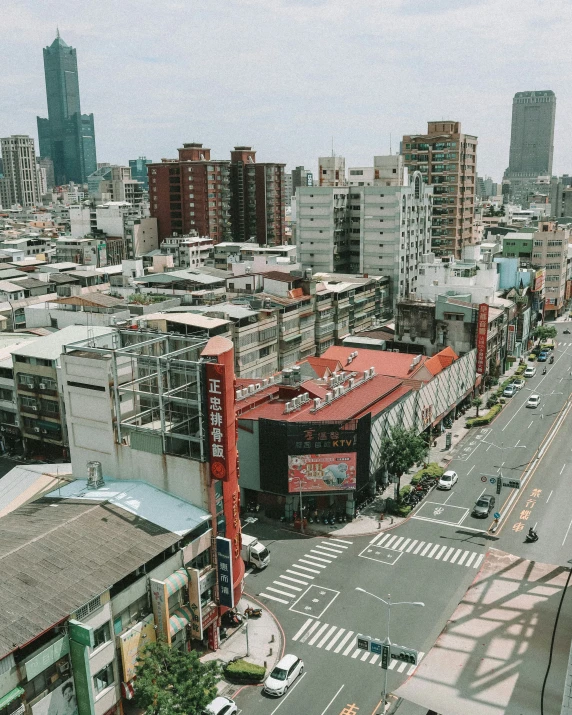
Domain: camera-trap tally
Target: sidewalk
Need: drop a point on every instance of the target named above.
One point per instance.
(265, 643)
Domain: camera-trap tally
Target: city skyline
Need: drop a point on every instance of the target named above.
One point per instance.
(284, 88)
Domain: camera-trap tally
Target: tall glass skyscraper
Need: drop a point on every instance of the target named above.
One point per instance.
(67, 137)
(532, 134)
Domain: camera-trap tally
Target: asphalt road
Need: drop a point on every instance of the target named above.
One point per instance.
(433, 557)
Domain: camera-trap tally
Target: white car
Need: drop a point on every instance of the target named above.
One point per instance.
(530, 371)
(221, 706)
(448, 480)
(533, 401)
(283, 675)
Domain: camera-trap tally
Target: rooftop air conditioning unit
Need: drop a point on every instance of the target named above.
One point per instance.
(288, 407)
(251, 389)
(372, 371)
(258, 386)
(328, 396)
(350, 358)
(317, 402)
(238, 394)
(351, 382)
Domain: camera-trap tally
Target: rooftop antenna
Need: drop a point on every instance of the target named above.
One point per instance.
(58, 32)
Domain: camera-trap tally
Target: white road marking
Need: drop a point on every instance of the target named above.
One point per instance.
(366, 655)
(302, 561)
(379, 539)
(530, 425)
(446, 557)
(299, 574)
(471, 469)
(318, 633)
(412, 668)
(309, 633)
(478, 561)
(299, 633)
(402, 667)
(391, 664)
(387, 545)
(332, 643)
(419, 547)
(287, 585)
(549, 496)
(415, 541)
(295, 580)
(332, 700)
(288, 693)
(463, 557)
(325, 638)
(318, 558)
(341, 541)
(433, 550)
(567, 530)
(426, 549)
(404, 544)
(456, 556)
(396, 544)
(273, 598)
(250, 570)
(470, 559)
(562, 469)
(359, 651)
(345, 639)
(282, 593)
(328, 549)
(441, 552)
(348, 649)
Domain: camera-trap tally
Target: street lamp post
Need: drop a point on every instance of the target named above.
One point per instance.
(389, 603)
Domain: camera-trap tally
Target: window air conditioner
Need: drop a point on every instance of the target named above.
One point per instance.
(37, 429)
(35, 408)
(42, 385)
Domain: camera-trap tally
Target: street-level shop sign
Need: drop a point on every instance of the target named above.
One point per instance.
(224, 571)
(216, 416)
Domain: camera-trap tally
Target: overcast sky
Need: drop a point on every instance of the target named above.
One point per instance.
(285, 76)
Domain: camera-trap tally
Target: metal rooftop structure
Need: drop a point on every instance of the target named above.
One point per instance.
(157, 390)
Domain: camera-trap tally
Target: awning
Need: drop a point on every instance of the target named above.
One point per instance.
(11, 696)
(177, 581)
(179, 619)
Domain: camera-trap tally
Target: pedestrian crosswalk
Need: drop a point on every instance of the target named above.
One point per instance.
(302, 573)
(416, 547)
(343, 642)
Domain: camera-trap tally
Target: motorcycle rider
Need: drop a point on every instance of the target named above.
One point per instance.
(532, 535)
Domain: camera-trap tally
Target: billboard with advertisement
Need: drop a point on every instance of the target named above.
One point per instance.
(133, 643)
(61, 701)
(219, 436)
(224, 571)
(482, 333)
(322, 472)
(160, 601)
(539, 280)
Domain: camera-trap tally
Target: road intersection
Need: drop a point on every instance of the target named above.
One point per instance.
(433, 557)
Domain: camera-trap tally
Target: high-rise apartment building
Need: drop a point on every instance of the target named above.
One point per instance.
(550, 251)
(191, 193)
(20, 182)
(301, 177)
(67, 136)
(257, 193)
(139, 170)
(447, 159)
(371, 230)
(332, 171)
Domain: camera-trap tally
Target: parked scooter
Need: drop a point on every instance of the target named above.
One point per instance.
(253, 612)
(551, 359)
(544, 371)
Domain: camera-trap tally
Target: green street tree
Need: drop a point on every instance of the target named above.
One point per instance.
(170, 681)
(477, 402)
(400, 450)
(544, 332)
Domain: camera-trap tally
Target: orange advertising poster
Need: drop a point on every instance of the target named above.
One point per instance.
(322, 472)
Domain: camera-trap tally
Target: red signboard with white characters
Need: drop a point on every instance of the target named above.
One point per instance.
(216, 415)
(482, 331)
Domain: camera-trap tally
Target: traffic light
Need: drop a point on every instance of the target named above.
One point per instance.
(405, 655)
(385, 656)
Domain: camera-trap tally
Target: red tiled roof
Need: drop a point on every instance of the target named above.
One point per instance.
(384, 362)
(441, 360)
(320, 365)
(279, 276)
(374, 396)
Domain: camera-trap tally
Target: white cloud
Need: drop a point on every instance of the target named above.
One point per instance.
(287, 75)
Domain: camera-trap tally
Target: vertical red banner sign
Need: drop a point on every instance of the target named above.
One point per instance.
(482, 332)
(217, 425)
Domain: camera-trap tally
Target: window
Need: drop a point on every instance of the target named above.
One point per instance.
(103, 679)
(101, 635)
